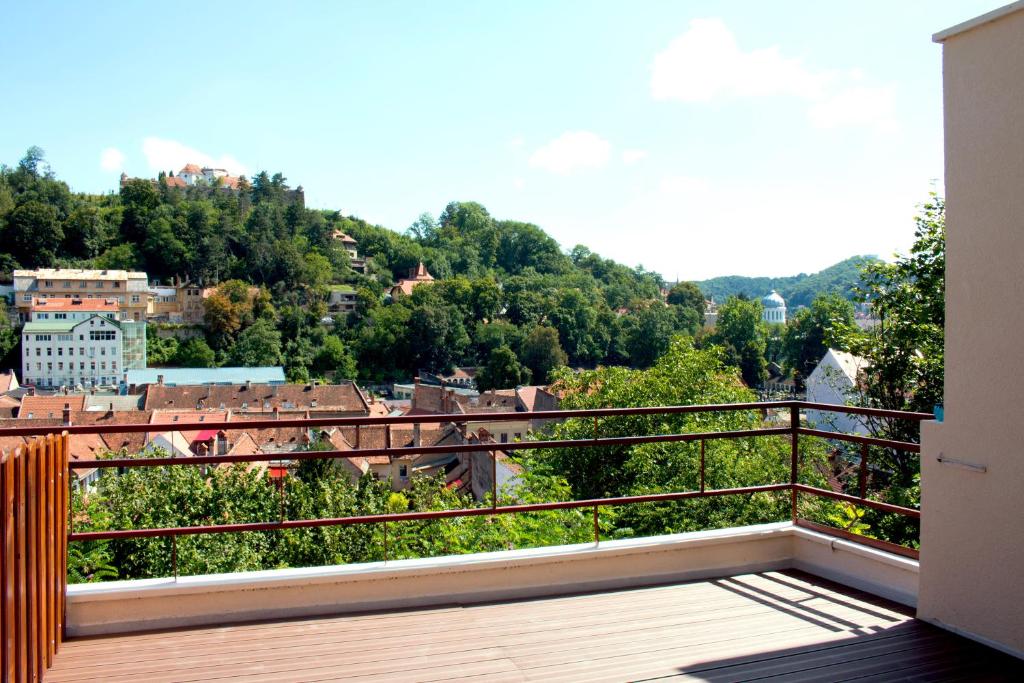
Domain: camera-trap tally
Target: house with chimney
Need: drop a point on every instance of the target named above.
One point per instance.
(417, 276)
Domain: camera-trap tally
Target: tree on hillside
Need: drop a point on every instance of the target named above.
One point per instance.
(541, 353)
(502, 371)
(810, 332)
(906, 349)
(687, 295)
(195, 353)
(333, 357)
(741, 332)
(648, 332)
(257, 346)
(33, 234)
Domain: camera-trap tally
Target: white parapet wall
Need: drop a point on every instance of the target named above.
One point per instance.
(125, 606)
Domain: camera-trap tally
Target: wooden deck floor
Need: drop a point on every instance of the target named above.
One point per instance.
(785, 626)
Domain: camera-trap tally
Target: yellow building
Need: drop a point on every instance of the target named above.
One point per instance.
(130, 289)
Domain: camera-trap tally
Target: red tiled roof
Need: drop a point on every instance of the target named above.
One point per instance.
(175, 181)
(190, 168)
(49, 406)
(260, 398)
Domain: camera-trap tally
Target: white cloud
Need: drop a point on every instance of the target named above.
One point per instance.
(112, 159)
(170, 155)
(857, 106)
(632, 156)
(572, 151)
(518, 183)
(706, 63)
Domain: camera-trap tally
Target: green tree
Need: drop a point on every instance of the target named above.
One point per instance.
(502, 371)
(195, 353)
(541, 352)
(687, 295)
(741, 332)
(34, 234)
(828, 323)
(335, 358)
(258, 345)
(648, 332)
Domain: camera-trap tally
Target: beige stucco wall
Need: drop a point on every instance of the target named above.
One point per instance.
(972, 529)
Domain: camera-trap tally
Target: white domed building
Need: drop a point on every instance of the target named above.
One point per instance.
(774, 308)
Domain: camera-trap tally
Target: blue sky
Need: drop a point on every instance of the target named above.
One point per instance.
(695, 138)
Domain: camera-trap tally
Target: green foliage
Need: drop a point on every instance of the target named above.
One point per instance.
(195, 353)
(541, 353)
(502, 371)
(810, 332)
(259, 345)
(334, 358)
(843, 279)
(160, 350)
(687, 295)
(741, 332)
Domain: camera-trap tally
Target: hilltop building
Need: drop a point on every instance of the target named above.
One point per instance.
(192, 175)
(417, 276)
(774, 308)
(79, 342)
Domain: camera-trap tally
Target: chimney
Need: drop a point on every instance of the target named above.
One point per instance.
(416, 435)
(248, 385)
(277, 412)
(67, 414)
(160, 380)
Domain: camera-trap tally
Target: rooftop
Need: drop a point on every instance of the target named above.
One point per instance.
(80, 274)
(65, 304)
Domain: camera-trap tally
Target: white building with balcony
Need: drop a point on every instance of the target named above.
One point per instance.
(79, 342)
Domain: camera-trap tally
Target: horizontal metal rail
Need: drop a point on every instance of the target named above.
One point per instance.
(792, 431)
(416, 516)
(428, 450)
(459, 418)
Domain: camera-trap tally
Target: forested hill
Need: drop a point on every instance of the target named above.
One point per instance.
(797, 290)
(506, 295)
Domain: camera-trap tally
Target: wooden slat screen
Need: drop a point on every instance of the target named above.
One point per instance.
(33, 564)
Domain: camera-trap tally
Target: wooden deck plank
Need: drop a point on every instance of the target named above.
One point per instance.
(779, 624)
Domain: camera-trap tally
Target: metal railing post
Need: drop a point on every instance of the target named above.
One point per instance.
(863, 474)
(597, 528)
(794, 456)
(702, 465)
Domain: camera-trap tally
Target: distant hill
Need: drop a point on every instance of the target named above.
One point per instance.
(797, 290)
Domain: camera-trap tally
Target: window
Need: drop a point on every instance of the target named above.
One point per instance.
(39, 351)
(82, 284)
(48, 283)
(403, 471)
(92, 366)
(518, 436)
(99, 285)
(60, 366)
(67, 284)
(81, 350)
(60, 316)
(64, 337)
(504, 437)
(49, 366)
(81, 337)
(103, 365)
(113, 365)
(135, 298)
(71, 350)
(26, 297)
(42, 337)
(60, 351)
(116, 285)
(39, 366)
(103, 351)
(81, 365)
(49, 351)
(43, 316)
(102, 335)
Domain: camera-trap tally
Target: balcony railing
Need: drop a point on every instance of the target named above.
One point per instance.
(38, 503)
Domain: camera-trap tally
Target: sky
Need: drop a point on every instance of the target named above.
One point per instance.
(693, 138)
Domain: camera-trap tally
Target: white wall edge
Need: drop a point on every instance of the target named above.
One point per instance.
(126, 606)
(995, 645)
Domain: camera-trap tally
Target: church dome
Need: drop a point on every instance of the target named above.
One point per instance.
(773, 300)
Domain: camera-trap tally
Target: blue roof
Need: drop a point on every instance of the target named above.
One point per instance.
(196, 376)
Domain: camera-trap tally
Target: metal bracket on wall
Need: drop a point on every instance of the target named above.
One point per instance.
(961, 464)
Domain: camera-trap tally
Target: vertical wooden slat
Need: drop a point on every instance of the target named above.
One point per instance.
(39, 496)
(21, 622)
(32, 555)
(65, 493)
(7, 562)
(62, 493)
(51, 551)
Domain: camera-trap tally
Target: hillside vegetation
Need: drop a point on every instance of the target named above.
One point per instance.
(798, 290)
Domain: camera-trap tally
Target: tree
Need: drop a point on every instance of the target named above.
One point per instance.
(437, 338)
(905, 350)
(687, 295)
(502, 371)
(740, 330)
(809, 334)
(333, 357)
(648, 332)
(541, 352)
(34, 234)
(258, 345)
(195, 353)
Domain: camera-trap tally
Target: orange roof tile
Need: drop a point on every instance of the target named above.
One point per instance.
(49, 406)
(68, 304)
